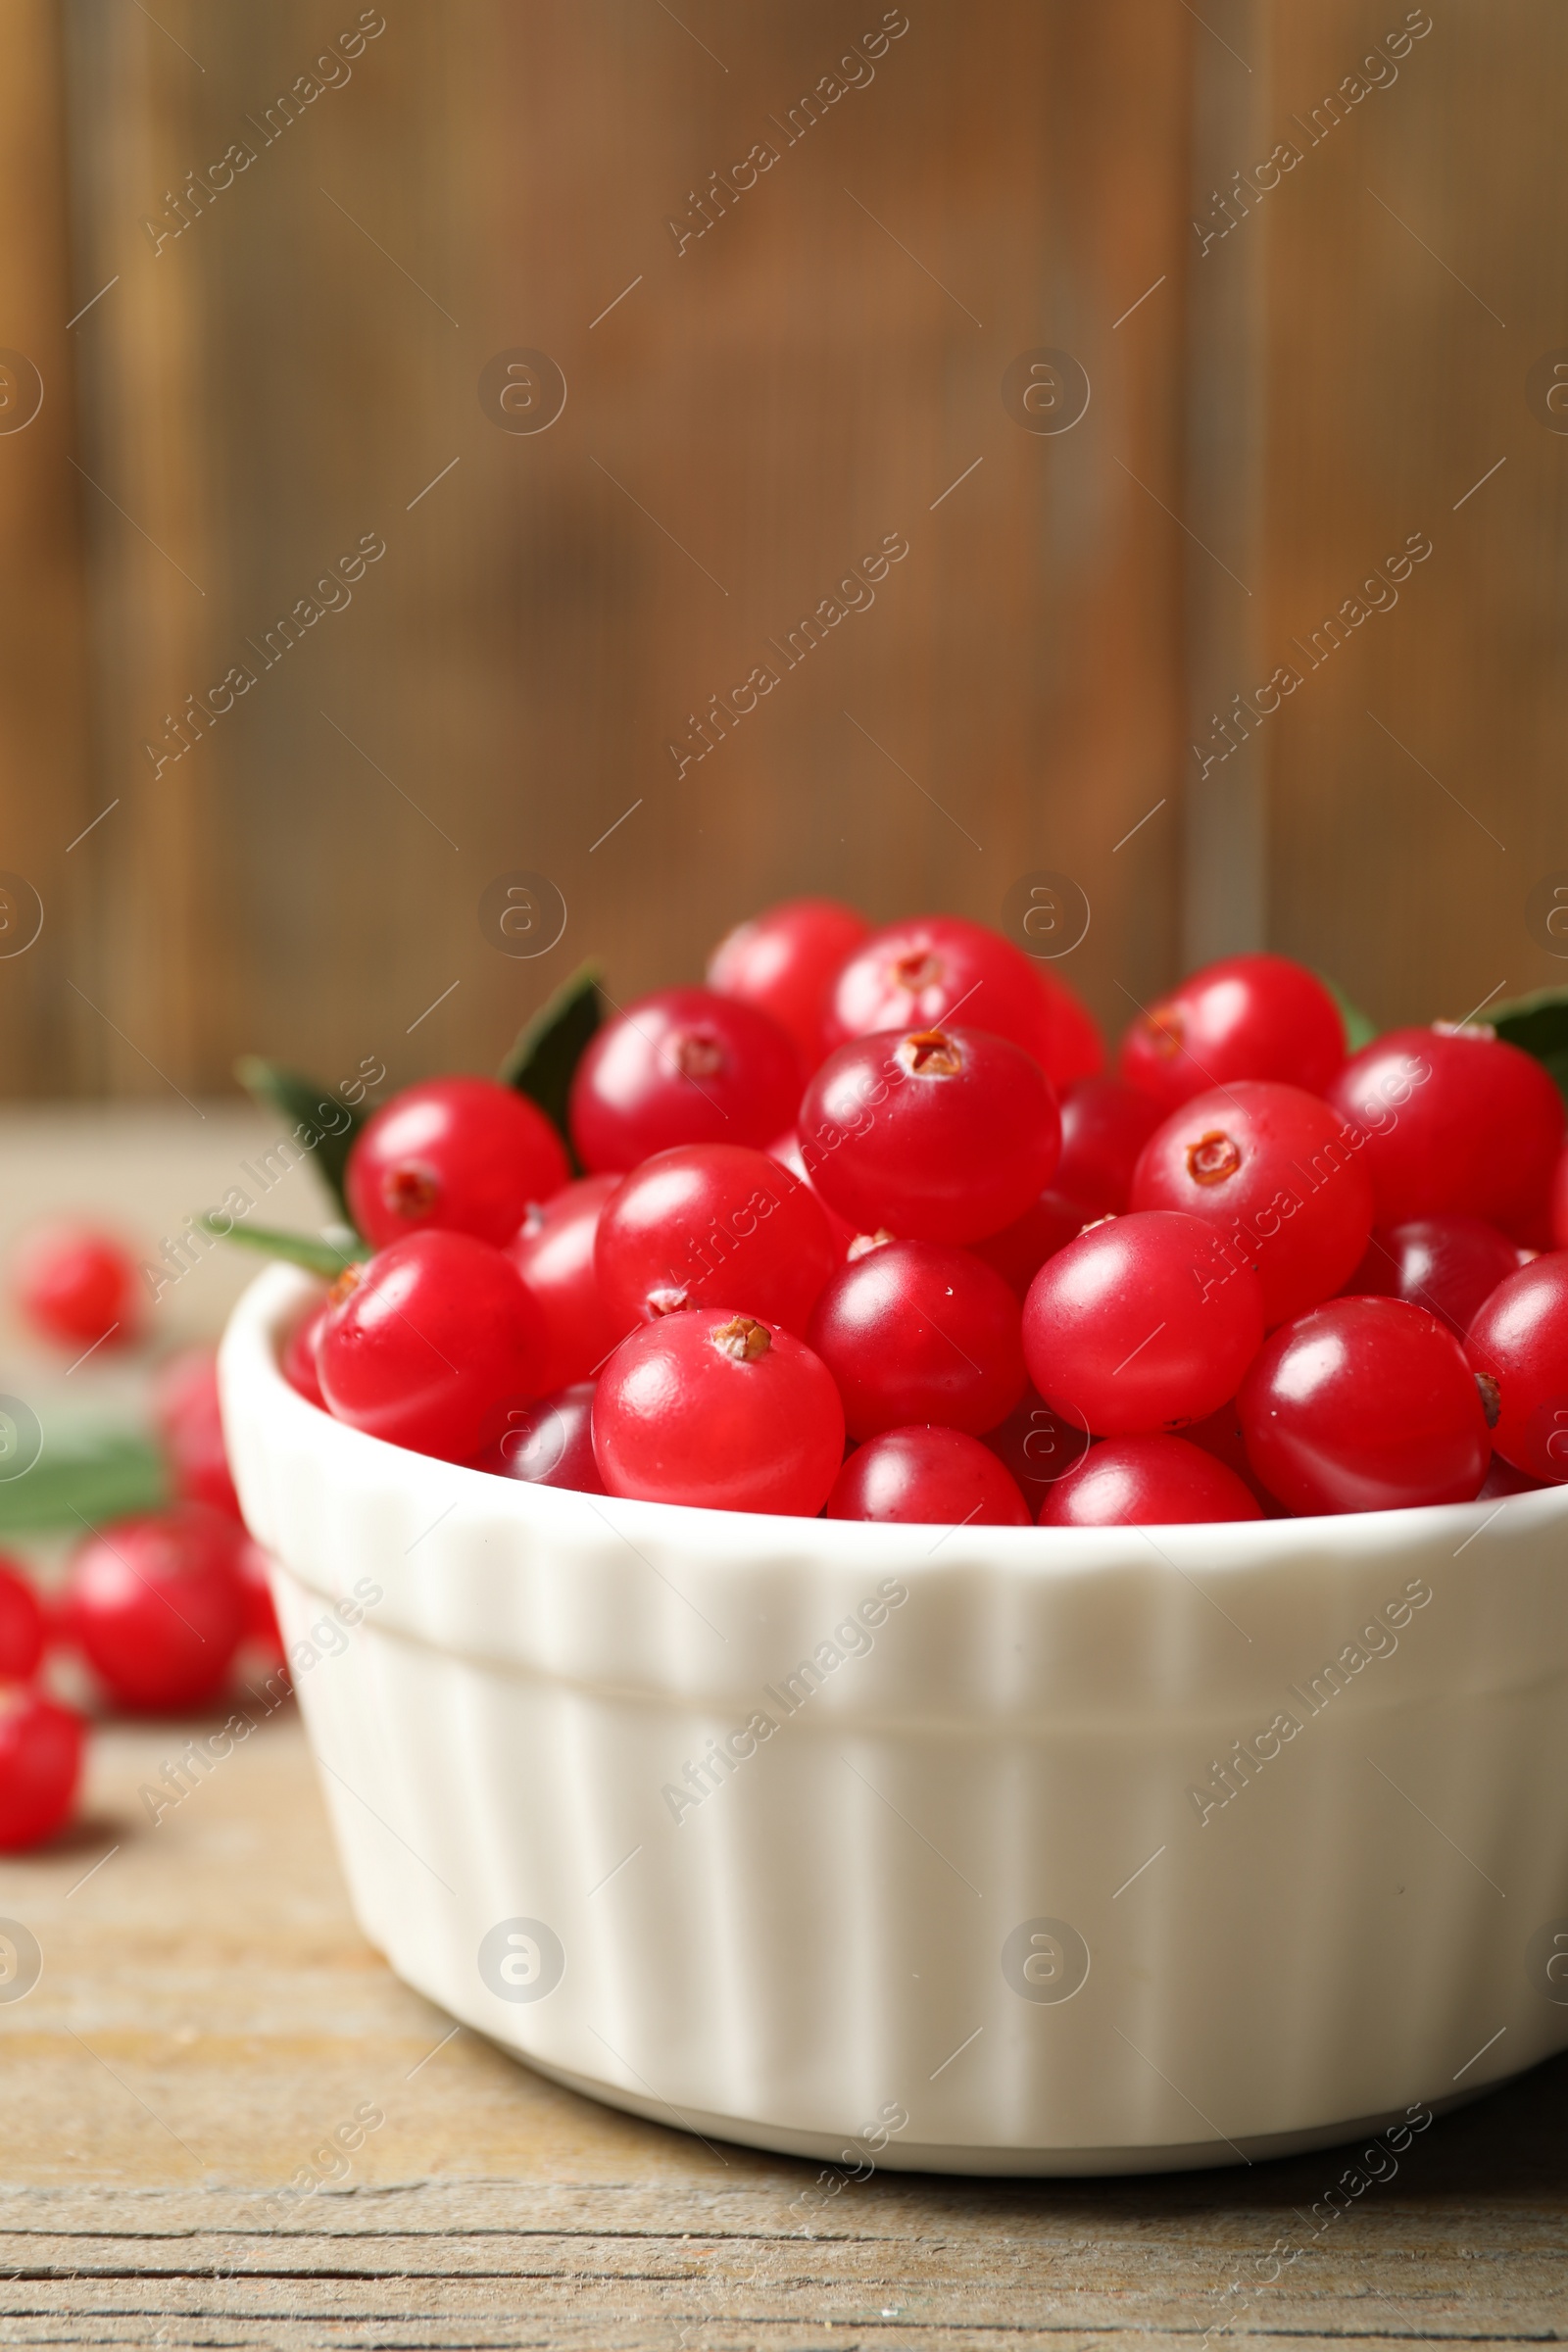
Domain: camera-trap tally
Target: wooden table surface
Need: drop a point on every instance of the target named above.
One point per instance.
(208, 2015)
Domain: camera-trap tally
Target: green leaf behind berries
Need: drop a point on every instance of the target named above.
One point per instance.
(1359, 1031)
(303, 1103)
(84, 1475)
(1539, 1025)
(548, 1049)
(322, 1258)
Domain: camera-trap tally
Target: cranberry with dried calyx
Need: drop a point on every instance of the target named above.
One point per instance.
(452, 1155)
(1517, 1346)
(684, 1066)
(1248, 1016)
(934, 970)
(720, 1411)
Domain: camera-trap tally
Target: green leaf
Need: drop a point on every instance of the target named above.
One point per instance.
(84, 1473)
(300, 1248)
(1539, 1025)
(302, 1102)
(1358, 1030)
(548, 1049)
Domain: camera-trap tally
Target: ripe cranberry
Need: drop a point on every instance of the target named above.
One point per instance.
(684, 1066)
(429, 1343)
(1249, 1016)
(1220, 1434)
(1504, 1479)
(299, 1355)
(1445, 1264)
(76, 1286)
(1365, 1404)
(1275, 1171)
(1146, 1481)
(934, 1476)
(1517, 1346)
(40, 1766)
(1144, 1323)
(1557, 1220)
(455, 1155)
(1020, 1251)
(936, 969)
(554, 1253)
(550, 1443)
(158, 1607)
(1455, 1120)
(786, 1150)
(713, 1225)
(1037, 1445)
(1104, 1125)
(22, 1624)
(187, 1416)
(717, 1410)
(783, 961)
(943, 1135)
(915, 1331)
(261, 1617)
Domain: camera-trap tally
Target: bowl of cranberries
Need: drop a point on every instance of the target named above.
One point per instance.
(937, 1602)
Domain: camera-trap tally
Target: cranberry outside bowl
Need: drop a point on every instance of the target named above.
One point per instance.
(989, 1850)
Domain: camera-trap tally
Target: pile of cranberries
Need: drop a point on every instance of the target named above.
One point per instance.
(866, 1231)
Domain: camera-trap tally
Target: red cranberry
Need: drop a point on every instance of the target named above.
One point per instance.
(783, 961)
(1365, 1404)
(932, 1476)
(1445, 1264)
(1502, 1479)
(22, 1624)
(936, 969)
(1275, 1171)
(1037, 1445)
(554, 1254)
(1220, 1434)
(299, 1355)
(1455, 1120)
(429, 1345)
(40, 1766)
(786, 1150)
(718, 1410)
(1104, 1125)
(943, 1135)
(713, 1225)
(1558, 1217)
(1020, 1251)
(1144, 1323)
(915, 1331)
(190, 1425)
(1146, 1481)
(551, 1444)
(1517, 1346)
(1249, 1016)
(157, 1606)
(453, 1155)
(685, 1066)
(78, 1286)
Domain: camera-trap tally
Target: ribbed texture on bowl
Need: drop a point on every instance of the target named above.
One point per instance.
(807, 1946)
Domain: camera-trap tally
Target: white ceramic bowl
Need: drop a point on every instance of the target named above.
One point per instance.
(975, 1898)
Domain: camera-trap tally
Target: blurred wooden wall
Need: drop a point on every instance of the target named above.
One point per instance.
(296, 374)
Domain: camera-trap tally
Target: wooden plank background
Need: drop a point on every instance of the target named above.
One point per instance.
(1274, 410)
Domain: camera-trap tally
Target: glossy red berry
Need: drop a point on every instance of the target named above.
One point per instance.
(786, 1150)
(1146, 1481)
(917, 1331)
(550, 1443)
(1503, 1480)
(554, 1253)
(1104, 1126)
(937, 969)
(783, 962)
(713, 1225)
(1455, 1120)
(157, 1606)
(1144, 1323)
(684, 1066)
(453, 1155)
(1446, 1264)
(1220, 1434)
(1020, 1251)
(299, 1355)
(1557, 1220)
(720, 1412)
(1249, 1016)
(1278, 1174)
(429, 1343)
(189, 1423)
(78, 1286)
(1037, 1445)
(941, 1135)
(1517, 1346)
(925, 1475)
(22, 1624)
(40, 1767)
(1365, 1404)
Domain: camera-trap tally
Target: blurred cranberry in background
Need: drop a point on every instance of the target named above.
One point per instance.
(184, 1402)
(75, 1285)
(40, 1766)
(158, 1605)
(299, 1355)
(23, 1624)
